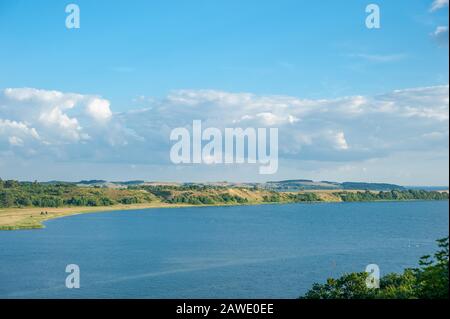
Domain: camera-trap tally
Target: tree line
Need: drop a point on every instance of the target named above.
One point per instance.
(26, 194)
(391, 195)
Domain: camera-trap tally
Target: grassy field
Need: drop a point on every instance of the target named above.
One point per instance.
(32, 217)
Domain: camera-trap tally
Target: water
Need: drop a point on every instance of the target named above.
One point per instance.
(269, 251)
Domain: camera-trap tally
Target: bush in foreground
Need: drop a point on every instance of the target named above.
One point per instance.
(428, 281)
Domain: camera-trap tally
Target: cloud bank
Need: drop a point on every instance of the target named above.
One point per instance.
(43, 125)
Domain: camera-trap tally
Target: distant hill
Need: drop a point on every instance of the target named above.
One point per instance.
(136, 182)
(281, 186)
(299, 184)
(429, 188)
(371, 186)
(92, 182)
(294, 181)
(304, 184)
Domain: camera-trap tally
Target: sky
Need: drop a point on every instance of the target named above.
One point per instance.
(99, 102)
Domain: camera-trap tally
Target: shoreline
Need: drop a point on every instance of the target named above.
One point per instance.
(31, 217)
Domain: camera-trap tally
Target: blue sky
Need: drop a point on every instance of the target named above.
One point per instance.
(136, 54)
(303, 48)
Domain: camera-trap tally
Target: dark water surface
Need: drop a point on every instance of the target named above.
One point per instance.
(268, 251)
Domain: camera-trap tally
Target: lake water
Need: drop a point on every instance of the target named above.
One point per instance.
(268, 251)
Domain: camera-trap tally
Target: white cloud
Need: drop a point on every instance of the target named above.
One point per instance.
(99, 109)
(63, 100)
(440, 30)
(67, 127)
(18, 131)
(340, 142)
(346, 128)
(268, 119)
(60, 118)
(47, 111)
(438, 4)
(352, 129)
(440, 34)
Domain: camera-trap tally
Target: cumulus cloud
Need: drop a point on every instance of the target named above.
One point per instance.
(56, 120)
(15, 132)
(99, 109)
(60, 125)
(352, 128)
(346, 128)
(47, 112)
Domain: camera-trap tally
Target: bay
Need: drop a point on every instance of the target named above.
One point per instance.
(266, 251)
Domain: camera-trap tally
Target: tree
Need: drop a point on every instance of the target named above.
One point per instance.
(429, 281)
(6, 199)
(432, 276)
(349, 286)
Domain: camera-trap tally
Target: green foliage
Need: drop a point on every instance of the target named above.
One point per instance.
(23, 194)
(194, 194)
(273, 198)
(371, 186)
(56, 194)
(306, 197)
(207, 199)
(429, 281)
(391, 195)
(432, 276)
(349, 286)
(129, 200)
